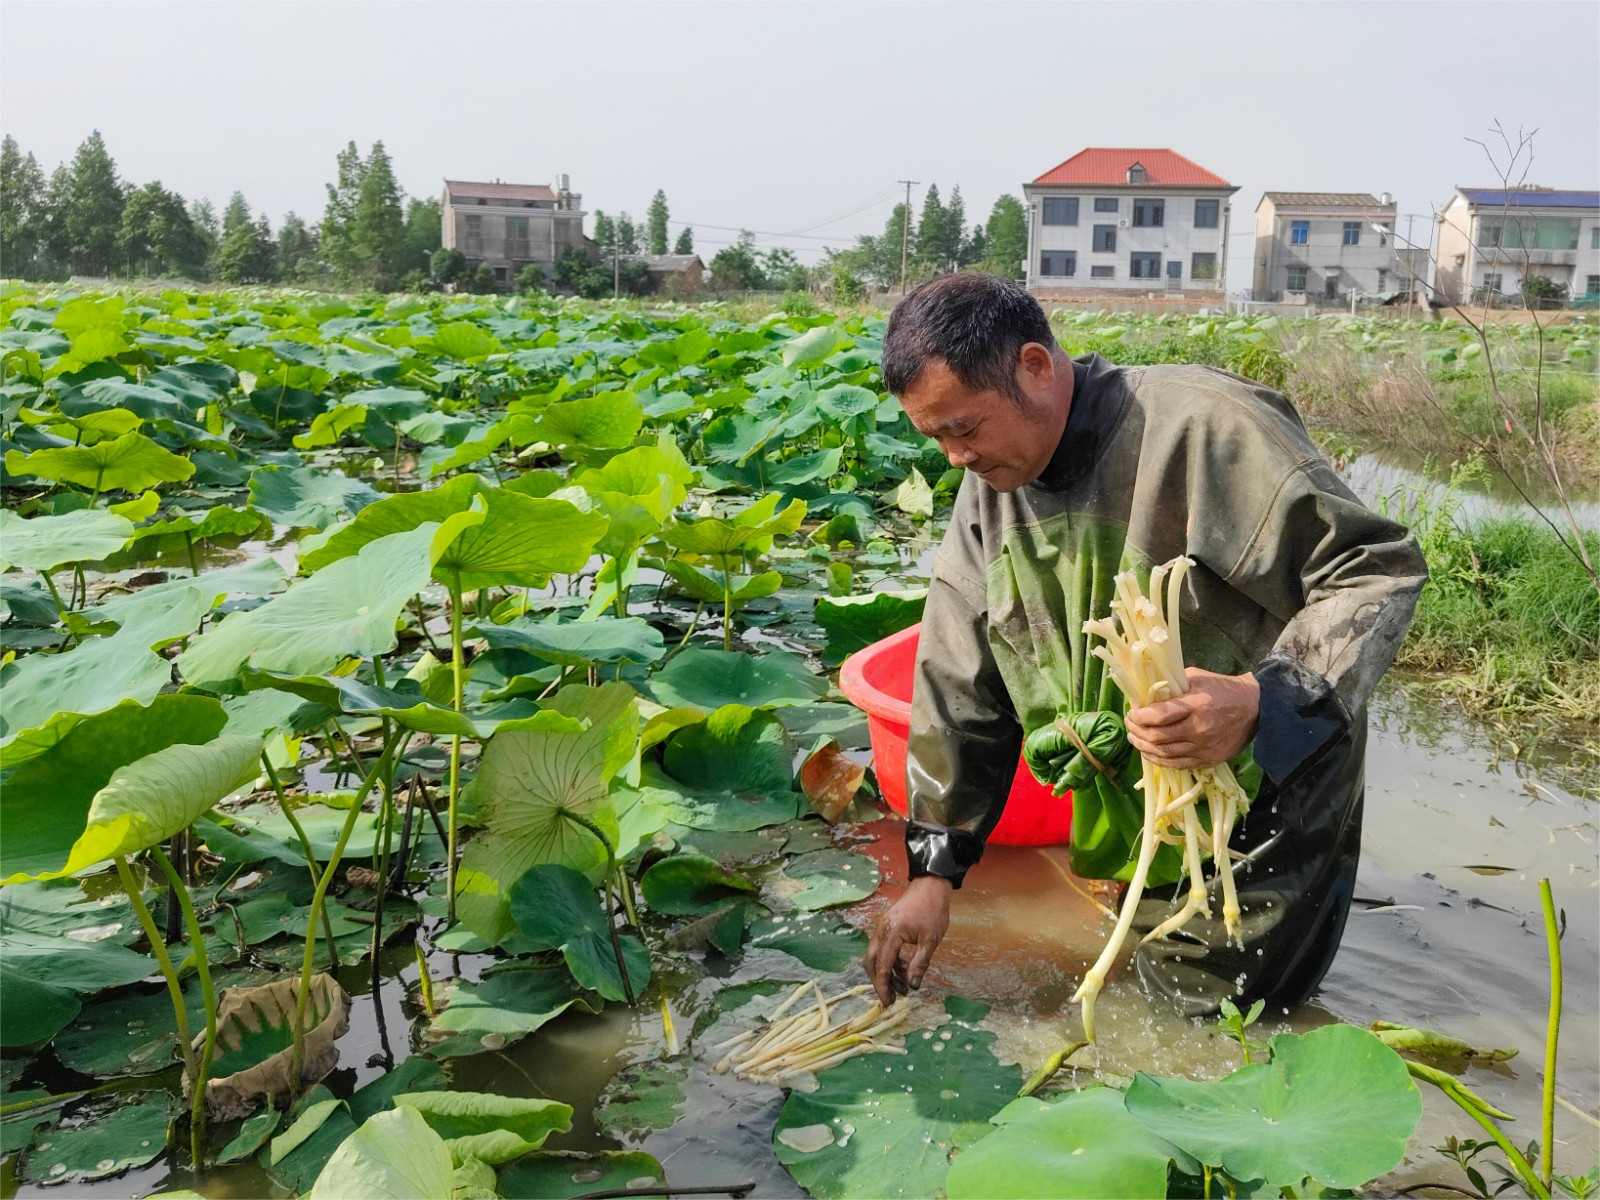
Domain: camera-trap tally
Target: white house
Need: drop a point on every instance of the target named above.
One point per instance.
(1325, 245)
(1127, 221)
(509, 225)
(1489, 239)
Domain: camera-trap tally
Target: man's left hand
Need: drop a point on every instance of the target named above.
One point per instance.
(1208, 724)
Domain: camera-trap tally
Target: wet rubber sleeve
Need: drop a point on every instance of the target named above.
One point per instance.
(965, 740)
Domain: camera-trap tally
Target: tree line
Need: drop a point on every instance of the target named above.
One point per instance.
(85, 219)
(935, 242)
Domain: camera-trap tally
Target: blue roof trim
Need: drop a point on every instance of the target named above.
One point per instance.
(1498, 198)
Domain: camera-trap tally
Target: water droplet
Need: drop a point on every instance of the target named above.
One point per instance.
(493, 1041)
(937, 1046)
(59, 1169)
(105, 1164)
(588, 1176)
(642, 1181)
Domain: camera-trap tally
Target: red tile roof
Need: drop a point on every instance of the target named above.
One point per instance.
(499, 191)
(1107, 166)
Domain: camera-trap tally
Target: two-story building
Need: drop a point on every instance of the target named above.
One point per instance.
(509, 225)
(1127, 221)
(1325, 246)
(1488, 240)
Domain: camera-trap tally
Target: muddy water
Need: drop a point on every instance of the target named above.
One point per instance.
(1448, 934)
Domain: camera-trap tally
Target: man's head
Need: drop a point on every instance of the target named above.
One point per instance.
(977, 369)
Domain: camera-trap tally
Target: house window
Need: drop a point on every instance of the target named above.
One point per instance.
(1594, 238)
(1299, 232)
(1144, 265)
(1105, 239)
(1136, 174)
(1494, 280)
(474, 232)
(517, 229)
(1592, 287)
(1203, 266)
(482, 201)
(1148, 212)
(1105, 204)
(1296, 281)
(1383, 279)
(1058, 262)
(1174, 271)
(1061, 210)
(1107, 272)
(1527, 233)
(1205, 214)
(1352, 233)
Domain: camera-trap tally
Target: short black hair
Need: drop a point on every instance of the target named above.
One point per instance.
(977, 323)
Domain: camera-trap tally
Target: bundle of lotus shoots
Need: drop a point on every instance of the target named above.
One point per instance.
(813, 1039)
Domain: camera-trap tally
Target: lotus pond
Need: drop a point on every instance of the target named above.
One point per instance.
(418, 722)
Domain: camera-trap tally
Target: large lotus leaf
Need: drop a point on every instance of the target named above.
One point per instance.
(603, 421)
(147, 801)
(44, 543)
(346, 610)
(528, 781)
(711, 678)
(736, 765)
(655, 478)
(1082, 1147)
(749, 531)
(823, 878)
(129, 1136)
(564, 1174)
(404, 704)
(490, 1128)
(643, 1096)
(736, 437)
(579, 643)
(1335, 1104)
(805, 468)
(45, 797)
(262, 577)
(35, 1010)
(126, 1034)
(195, 383)
(707, 586)
(305, 498)
(820, 940)
(398, 513)
(504, 1008)
(682, 351)
(518, 541)
(555, 907)
(856, 622)
(843, 401)
(144, 402)
(393, 1156)
(914, 496)
(691, 884)
(464, 340)
(221, 521)
(130, 463)
(892, 1122)
(256, 834)
(812, 346)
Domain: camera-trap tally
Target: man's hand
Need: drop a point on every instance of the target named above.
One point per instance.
(913, 926)
(1209, 723)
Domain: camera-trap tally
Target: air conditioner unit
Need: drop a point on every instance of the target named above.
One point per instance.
(1123, 223)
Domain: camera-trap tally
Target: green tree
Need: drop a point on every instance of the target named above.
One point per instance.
(237, 214)
(931, 227)
(447, 265)
(424, 229)
(575, 272)
(605, 233)
(247, 254)
(94, 208)
(338, 217)
(1006, 238)
(846, 284)
(479, 280)
(955, 231)
(627, 235)
(157, 235)
(685, 242)
(656, 223)
(530, 280)
(55, 242)
(22, 213)
(972, 247)
(203, 216)
(297, 250)
(783, 271)
(736, 268)
(378, 230)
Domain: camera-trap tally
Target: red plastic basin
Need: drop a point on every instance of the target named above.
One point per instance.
(878, 680)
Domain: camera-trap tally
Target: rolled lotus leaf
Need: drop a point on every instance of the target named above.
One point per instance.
(251, 1019)
(1058, 764)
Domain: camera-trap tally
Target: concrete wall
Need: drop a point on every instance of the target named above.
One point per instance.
(551, 233)
(1466, 264)
(1332, 269)
(1176, 239)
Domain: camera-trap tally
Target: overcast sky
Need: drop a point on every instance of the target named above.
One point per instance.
(779, 116)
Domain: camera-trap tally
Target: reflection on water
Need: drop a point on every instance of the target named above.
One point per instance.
(1373, 476)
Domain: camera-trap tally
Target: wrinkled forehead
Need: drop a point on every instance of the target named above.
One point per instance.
(938, 402)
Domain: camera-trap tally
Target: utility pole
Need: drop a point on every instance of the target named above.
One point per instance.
(905, 233)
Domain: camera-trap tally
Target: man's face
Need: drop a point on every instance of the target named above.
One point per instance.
(1006, 443)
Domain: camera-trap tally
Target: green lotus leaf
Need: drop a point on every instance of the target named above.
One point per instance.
(221, 521)
(110, 395)
(691, 884)
(305, 498)
(707, 586)
(35, 1010)
(637, 490)
(735, 437)
(463, 340)
(298, 1168)
(129, 1136)
(195, 383)
(750, 531)
(913, 497)
(328, 428)
(403, 704)
(579, 643)
(399, 513)
(807, 467)
(518, 541)
(346, 610)
(824, 878)
(502, 1009)
(92, 346)
(1335, 1104)
(820, 940)
(737, 751)
(855, 622)
(564, 1174)
(1083, 1146)
(255, 834)
(556, 908)
(44, 543)
(252, 1135)
(393, 1156)
(812, 346)
(711, 678)
(907, 1115)
(529, 780)
(843, 401)
(91, 312)
(642, 1097)
(685, 350)
(130, 463)
(130, 1034)
(490, 1128)
(607, 420)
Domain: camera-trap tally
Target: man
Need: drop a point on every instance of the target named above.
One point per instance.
(1299, 597)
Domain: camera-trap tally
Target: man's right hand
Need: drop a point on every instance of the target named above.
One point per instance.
(906, 937)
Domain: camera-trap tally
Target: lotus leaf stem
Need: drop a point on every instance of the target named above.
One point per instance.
(102, 1089)
(737, 1190)
(1480, 1111)
(305, 846)
(425, 981)
(458, 694)
(1552, 1036)
(202, 966)
(1048, 1069)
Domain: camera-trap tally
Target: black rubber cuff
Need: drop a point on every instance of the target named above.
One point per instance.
(1301, 716)
(941, 850)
